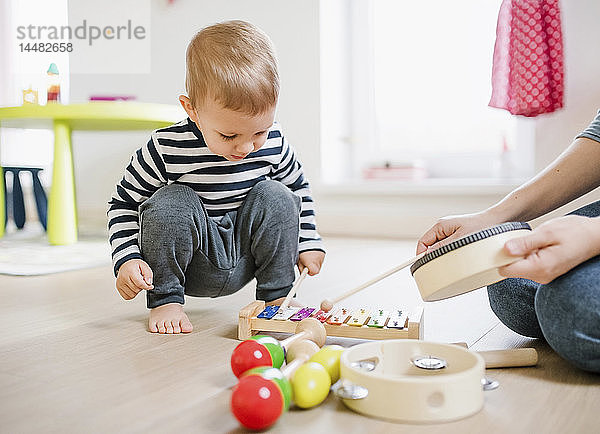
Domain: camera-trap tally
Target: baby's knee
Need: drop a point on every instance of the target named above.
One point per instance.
(171, 202)
(275, 197)
(512, 302)
(570, 321)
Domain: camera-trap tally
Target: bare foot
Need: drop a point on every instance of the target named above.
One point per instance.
(169, 318)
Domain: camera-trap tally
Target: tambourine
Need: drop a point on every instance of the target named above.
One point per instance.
(466, 264)
(411, 381)
(461, 266)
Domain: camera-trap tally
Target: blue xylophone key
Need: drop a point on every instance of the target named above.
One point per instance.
(269, 312)
(303, 313)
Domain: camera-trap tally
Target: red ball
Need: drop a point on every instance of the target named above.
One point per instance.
(249, 354)
(256, 402)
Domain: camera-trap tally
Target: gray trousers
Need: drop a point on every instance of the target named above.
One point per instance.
(192, 254)
(565, 312)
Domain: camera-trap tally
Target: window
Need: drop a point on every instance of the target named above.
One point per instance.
(406, 85)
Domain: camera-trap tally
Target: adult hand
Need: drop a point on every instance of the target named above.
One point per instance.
(553, 248)
(134, 276)
(312, 259)
(448, 229)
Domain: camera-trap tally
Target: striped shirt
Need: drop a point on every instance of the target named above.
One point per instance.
(178, 154)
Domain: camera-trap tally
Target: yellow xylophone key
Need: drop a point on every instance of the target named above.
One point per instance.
(359, 317)
(378, 318)
(339, 316)
(397, 319)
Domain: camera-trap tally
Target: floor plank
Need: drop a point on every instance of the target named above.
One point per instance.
(77, 358)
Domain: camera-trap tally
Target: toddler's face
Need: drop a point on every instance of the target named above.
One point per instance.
(228, 133)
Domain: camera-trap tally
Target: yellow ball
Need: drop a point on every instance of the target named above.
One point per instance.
(310, 384)
(329, 358)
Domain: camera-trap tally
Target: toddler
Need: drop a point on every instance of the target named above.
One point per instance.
(219, 198)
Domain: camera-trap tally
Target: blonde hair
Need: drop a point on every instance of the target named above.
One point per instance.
(233, 63)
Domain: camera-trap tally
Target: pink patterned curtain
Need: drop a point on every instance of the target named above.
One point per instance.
(527, 74)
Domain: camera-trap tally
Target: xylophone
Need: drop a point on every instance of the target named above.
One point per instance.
(361, 323)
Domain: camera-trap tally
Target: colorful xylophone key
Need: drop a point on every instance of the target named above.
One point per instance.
(286, 313)
(359, 317)
(321, 315)
(397, 319)
(269, 312)
(339, 316)
(378, 318)
(302, 313)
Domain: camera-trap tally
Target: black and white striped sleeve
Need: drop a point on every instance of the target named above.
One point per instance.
(144, 175)
(289, 172)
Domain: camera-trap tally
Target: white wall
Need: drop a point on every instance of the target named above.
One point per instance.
(407, 212)
(292, 25)
(294, 28)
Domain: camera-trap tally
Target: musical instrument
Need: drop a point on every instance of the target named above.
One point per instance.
(267, 351)
(382, 323)
(264, 393)
(415, 381)
(468, 263)
(411, 381)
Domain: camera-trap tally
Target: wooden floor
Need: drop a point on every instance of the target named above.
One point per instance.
(75, 357)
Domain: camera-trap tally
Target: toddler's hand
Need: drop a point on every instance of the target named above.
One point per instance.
(313, 259)
(133, 276)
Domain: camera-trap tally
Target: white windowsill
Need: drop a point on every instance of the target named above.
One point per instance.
(451, 186)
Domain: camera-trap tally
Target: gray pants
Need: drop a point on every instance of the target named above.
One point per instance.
(565, 312)
(192, 254)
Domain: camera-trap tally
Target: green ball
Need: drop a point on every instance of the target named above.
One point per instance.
(275, 375)
(273, 347)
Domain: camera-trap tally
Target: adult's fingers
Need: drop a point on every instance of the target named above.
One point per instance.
(542, 266)
(437, 233)
(527, 244)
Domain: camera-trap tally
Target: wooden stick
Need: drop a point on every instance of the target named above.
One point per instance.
(292, 292)
(513, 358)
(297, 354)
(308, 329)
(326, 304)
(510, 358)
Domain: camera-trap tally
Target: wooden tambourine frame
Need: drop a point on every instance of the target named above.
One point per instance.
(466, 264)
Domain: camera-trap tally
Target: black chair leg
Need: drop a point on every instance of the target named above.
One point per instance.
(6, 201)
(41, 201)
(18, 201)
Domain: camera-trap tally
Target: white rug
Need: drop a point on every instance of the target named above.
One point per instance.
(27, 253)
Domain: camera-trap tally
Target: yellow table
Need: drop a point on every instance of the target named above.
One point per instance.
(98, 116)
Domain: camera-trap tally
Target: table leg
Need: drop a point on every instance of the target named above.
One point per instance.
(2, 203)
(62, 212)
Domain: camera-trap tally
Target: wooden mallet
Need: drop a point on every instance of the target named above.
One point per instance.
(292, 292)
(327, 304)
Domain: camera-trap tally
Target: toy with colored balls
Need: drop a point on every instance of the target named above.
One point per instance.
(257, 402)
(245, 357)
(263, 394)
(311, 384)
(274, 347)
(249, 354)
(329, 357)
(278, 377)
